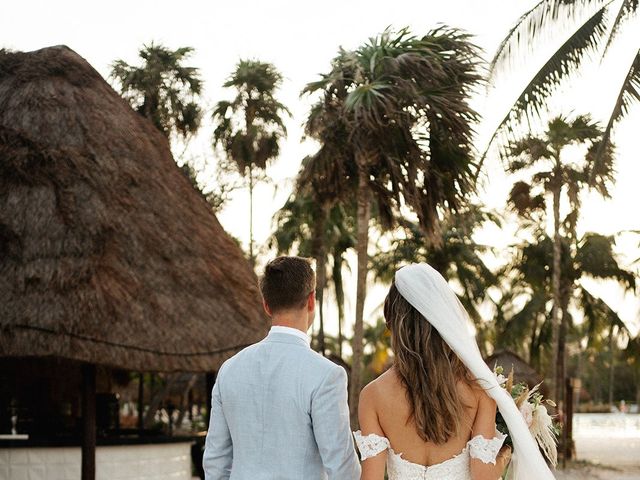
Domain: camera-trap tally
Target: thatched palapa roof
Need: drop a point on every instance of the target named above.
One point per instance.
(522, 371)
(107, 253)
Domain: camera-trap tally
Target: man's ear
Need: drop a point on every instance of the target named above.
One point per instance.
(266, 308)
(311, 301)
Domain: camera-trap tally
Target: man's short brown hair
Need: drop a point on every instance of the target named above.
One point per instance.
(287, 283)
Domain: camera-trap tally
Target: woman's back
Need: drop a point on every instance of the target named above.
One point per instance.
(390, 403)
(390, 440)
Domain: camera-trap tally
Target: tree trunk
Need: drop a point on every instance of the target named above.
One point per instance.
(561, 381)
(337, 283)
(364, 212)
(320, 252)
(534, 337)
(555, 308)
(251, 257)
(612, 360)
(637, 375)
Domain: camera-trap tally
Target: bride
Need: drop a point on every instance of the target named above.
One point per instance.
(432, 415)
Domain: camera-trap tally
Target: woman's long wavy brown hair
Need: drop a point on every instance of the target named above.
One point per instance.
(429, 370)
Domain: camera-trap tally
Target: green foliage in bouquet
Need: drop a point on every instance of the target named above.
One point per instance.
(531, 404)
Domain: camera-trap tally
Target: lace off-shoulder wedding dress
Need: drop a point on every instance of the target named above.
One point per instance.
(456, 468)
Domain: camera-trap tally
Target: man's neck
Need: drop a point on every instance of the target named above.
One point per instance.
(298, 322)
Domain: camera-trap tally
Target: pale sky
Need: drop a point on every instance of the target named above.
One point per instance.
(300, 38)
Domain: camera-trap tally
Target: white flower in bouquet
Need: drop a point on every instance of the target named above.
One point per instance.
(498, 371)
(526, 409)
(543, 431)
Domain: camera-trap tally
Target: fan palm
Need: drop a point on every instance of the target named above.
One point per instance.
(301, 226)
(527, 327)
(162, 89)
(326, 177)
(404, 102)
(550, 173)
(459, 260)
(250, 127)
(595, 25)
(296, 230)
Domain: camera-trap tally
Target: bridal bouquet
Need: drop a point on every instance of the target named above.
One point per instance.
(531, 404)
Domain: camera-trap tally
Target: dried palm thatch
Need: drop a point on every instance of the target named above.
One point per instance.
(107, 253)
(522, 371)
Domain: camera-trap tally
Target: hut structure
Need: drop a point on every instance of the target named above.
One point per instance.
(522, 371)
(110, 261)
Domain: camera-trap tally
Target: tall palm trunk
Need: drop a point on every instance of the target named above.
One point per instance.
(637, 377)
(533, 356)
(249, 118)
(251, 257)
(320, 252)
(612, 359)
(363, 214)
(336, 275)
(555, 282)
(565, 295)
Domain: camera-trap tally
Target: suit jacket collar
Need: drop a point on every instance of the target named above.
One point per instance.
(277, 337)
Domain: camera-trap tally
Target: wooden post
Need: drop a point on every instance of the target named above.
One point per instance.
(211, 380)
(140, 403)
(568, 426)
(88, 422)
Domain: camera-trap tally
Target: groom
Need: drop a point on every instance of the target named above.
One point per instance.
(279, 410)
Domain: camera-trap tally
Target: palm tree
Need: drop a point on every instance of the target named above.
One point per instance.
(404, 102)
(542, 158)
(162, 89)
(250, 127)
(459, 260)
(301, 226)
(327, 177)
(523, 321)
(595, 26)
(536, 279)
(165, 91)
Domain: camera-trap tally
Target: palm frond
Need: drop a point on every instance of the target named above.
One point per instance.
(523, 202)
(565, 60)
(629, 94)
(530, 25)
(599, 171)
(627, 10)
(527, 151)
(596, 258)
(599, 318)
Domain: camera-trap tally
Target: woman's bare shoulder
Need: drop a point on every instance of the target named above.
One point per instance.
(481, 398)
(381, 386)
(474, 395)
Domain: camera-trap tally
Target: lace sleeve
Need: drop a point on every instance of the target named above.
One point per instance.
(370, 445)
(484, 449)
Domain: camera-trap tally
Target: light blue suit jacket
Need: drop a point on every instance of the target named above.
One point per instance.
(279, 411)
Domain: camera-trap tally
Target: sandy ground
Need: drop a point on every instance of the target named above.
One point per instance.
(582, 471)
(604, 459)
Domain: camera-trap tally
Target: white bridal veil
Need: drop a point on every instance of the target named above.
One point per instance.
(428, 292)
